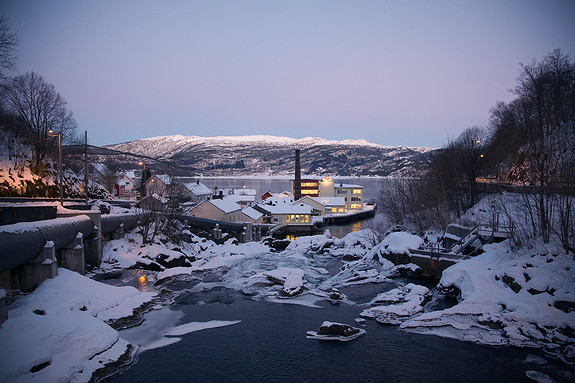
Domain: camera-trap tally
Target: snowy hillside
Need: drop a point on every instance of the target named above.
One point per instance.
(271, 155)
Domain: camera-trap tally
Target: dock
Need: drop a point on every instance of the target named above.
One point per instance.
(368, 211)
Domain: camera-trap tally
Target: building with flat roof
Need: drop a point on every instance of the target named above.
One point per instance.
(327, 188)
(286, 213)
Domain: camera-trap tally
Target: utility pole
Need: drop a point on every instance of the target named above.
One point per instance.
(60, 168)
(86, 165)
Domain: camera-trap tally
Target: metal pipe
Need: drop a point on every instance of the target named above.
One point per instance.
(23, 243)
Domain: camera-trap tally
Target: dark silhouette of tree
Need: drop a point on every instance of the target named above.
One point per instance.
(39, 109)
(538, 128)
(8, 45)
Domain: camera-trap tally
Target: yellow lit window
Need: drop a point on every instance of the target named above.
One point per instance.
(309, 191)
(355, 205)
(309, 184)
(334, 209)
(356, 191)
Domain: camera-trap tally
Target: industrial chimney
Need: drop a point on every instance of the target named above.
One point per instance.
(297, 181)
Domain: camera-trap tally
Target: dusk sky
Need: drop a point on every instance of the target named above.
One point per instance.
(412, 73)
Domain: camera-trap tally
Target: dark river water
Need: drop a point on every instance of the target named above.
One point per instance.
(269, 343)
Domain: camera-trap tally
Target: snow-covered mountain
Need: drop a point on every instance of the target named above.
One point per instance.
(271, 155)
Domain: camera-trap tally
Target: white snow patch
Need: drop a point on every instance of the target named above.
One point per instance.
(62, 323)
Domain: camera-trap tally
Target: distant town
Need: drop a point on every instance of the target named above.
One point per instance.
(309, 203)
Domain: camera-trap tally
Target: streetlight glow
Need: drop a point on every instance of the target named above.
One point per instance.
(60, 173)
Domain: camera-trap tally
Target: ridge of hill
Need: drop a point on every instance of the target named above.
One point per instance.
(270, 155)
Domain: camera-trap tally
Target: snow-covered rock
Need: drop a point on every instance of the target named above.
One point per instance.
(336, 331)
(398, 304)
(396, 243)
(58, 333)
(293, 284)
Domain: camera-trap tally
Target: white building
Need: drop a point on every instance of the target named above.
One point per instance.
(326, 187)
(287, 213)
(324, 205)
(198, 191)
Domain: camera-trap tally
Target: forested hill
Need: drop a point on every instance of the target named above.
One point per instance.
(270, 155)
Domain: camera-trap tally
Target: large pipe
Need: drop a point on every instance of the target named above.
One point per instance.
(111, 222)
(21, 243)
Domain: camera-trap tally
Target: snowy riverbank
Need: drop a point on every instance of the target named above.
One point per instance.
(523, 298)
(59, 332)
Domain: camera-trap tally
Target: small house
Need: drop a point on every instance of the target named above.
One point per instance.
(198, 191)
(218, 209)
(251, 215)
(124, 186)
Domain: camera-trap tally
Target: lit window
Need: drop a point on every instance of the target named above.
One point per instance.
(356, 191)
(355, 205)
(309, 191)
(333, 209)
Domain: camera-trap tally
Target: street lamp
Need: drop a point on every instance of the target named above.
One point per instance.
(60, 175)
(141, 163)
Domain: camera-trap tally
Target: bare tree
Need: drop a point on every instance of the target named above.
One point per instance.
(39, 109)
(399, 201)
(540, 124)
(8, 45)
(159, 210)
(109, 179)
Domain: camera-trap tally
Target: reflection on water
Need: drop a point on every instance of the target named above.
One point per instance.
(143, 281)
(140, 279)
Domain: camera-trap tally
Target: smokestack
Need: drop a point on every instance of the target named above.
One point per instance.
(297, 181)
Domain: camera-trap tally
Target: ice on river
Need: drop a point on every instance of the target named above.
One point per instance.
(300, 273)
(162, 328)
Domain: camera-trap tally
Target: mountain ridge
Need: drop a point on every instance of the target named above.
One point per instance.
(274, 155)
